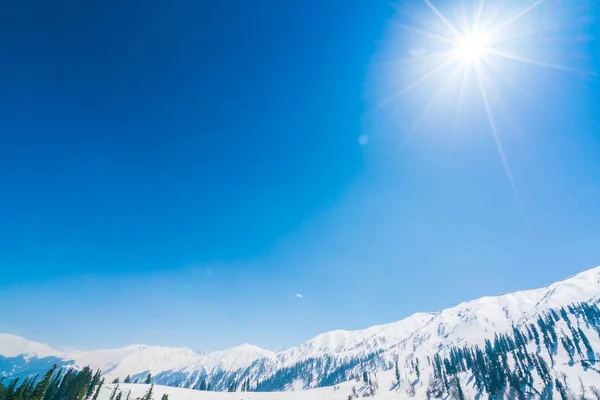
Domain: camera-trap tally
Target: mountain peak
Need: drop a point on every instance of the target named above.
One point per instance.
(236, 357)
(14, 346)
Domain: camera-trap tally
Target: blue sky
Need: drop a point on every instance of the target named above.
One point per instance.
(174, 173)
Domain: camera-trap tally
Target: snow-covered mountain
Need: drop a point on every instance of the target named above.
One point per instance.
(332, 357)
(13, 346)
(136, 359)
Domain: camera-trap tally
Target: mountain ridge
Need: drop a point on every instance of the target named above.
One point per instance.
(50, 351)
(336, 355)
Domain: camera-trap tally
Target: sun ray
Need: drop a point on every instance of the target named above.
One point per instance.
(515, 57)
(478, 15)
(420, 57)
(427, 33)
(521, 36)
(443, 18)
(463, 14)
(418, 81)
(516, 17)
(462, 92)
(503, 75)
(419, 119)
(497, 136)
(426, 109)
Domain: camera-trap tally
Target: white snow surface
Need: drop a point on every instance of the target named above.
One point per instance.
(138, 391)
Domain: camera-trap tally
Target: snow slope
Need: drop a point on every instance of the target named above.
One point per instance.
(137, 391)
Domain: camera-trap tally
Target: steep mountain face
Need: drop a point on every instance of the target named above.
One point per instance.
(337, 356)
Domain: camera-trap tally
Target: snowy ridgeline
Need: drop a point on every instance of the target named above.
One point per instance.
(556, 355)
(519, 345)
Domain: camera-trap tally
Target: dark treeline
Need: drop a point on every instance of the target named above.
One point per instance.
(58, 384)
(54, 385)
(508, 364)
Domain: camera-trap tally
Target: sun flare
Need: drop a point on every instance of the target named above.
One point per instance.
(472, 47)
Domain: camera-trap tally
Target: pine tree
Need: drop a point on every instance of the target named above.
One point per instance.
(586, 342)
(459, 392)
(98, 390)
(42, 386)
(148, 379)
(119, 396)
(127, 380)
(561, 390)
(92, 385)
(165, 397)
(17, 393)
(114, 392)
(66, 381)
(79, 385)
(568, 345)
(417, 369)
(12, 387)
(116, 381)
(149, 395)
(232, 386)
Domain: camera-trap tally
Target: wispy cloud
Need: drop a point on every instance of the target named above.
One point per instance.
(299, 296)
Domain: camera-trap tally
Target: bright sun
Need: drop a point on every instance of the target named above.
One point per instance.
(472, 47)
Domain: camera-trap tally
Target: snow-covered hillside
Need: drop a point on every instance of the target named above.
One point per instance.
(339, 356)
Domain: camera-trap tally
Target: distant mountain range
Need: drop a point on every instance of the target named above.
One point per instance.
(411, 350)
